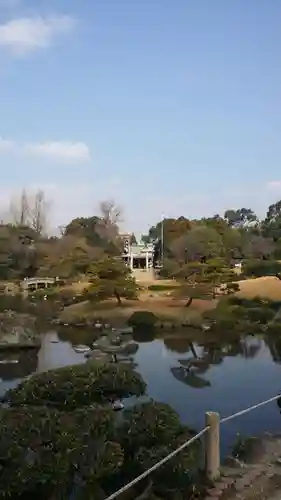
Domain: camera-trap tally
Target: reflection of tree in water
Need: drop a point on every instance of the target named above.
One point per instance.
(142, 335)
(77, 336)
(181, 345)
(191, 379)
(250, 347)
(207, 354)
(274, 346)
(279, 404)
(247, 347)
(197, 363)
(27, 364)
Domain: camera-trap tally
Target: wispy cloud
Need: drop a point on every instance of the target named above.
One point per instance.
(273, 185)
(24, 35)
(58, 151)
(69, 151)
(6, 144)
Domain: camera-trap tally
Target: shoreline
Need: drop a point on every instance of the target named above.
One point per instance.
(256, 477)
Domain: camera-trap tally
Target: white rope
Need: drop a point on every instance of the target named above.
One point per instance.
(185, 445)
(157, 465)
(242, 412)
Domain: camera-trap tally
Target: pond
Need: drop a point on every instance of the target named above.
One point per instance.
(228, 377)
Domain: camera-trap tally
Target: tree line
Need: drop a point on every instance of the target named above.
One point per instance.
(200, 254)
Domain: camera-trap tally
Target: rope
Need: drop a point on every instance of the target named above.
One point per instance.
(157, 465)
(185, 445)
(242, 412)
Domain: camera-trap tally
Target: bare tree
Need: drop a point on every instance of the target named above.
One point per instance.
(111, 217)
(38, 212)
(61, 230)
(30, 210)
(19, 209)
(110, 212)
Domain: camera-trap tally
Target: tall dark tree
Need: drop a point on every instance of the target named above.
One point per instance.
(171, 229)
(241, 217)
(272, 223)
(111, 278)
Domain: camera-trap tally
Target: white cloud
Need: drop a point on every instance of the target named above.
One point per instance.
(6, 144)
(27, 34)
(273, 185)
(59, 151)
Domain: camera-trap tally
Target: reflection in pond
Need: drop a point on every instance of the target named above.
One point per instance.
(77, 336)
(197, 365)
(232, 372)
(274, 346)
(177, 344)
(188, 378)
(17, 364)
(142, 335)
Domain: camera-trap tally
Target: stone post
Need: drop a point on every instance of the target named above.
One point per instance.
(146, 261)
(212, 446)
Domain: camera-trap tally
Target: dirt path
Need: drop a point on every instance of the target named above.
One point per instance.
(258, 478)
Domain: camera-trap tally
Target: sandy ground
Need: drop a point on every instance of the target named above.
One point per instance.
(258, 478)
(164, 305)
(164, 308)
(267, 287)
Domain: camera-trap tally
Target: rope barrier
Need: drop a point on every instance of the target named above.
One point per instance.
(185, 445)
(247, 410)
(157, 465)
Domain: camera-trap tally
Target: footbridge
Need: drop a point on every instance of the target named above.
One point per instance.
(37, 283)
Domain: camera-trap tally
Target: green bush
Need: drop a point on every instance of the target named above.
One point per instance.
(39, 447)
(148, 433)
(242, 301)
(13, 302)
(142, 319)
(257, 268)
(51, 442)
(79, 385)
(45, 453)
(255, 302)
(260, 314)
(273, 328)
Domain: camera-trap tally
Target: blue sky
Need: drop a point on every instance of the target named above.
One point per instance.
(169, 107)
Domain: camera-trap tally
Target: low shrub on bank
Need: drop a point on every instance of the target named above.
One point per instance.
(13, 302)
(141, 319)
(275, 305)
(245, 315)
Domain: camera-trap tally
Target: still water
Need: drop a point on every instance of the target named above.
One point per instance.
(231, 377)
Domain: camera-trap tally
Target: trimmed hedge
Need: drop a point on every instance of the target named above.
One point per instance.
(74, 386)
(142, 319)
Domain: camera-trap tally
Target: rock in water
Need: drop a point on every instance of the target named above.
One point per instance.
(18, 331)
